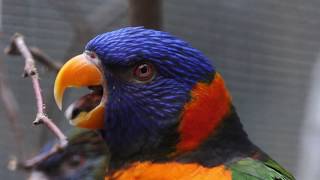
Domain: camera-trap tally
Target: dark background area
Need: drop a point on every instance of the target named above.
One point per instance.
(264, 49)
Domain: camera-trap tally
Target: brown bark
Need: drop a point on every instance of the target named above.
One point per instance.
(147, 13)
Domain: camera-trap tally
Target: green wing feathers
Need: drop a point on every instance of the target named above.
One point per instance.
(251, 169)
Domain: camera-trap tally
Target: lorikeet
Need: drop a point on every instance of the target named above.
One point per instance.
(85, 157)
(165, 112)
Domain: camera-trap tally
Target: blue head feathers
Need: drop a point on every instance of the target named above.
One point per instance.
(142, 117)
(173, 56)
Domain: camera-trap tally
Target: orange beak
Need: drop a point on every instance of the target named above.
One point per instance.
(80, 72)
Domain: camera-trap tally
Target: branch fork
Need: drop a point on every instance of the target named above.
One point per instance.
(18, 46)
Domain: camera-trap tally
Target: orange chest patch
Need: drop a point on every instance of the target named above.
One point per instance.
(172, 170)
(209, 104)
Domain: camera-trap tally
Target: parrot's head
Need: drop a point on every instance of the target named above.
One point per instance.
(157, 94)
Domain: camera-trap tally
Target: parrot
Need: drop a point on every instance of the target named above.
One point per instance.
(165, 112)
(85, 157)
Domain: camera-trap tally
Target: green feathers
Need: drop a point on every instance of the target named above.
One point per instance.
(251, 169)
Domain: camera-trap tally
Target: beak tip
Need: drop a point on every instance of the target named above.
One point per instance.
(60, 106)
(58, 94)
(58, 101)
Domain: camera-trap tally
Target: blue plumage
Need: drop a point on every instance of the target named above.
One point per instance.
(166, 109)
(143, 117)
(174, 58)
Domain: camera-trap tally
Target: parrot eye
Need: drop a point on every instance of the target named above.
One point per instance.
(143, 72)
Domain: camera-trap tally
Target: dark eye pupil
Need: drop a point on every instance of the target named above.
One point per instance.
(144, 69)
(143, 72)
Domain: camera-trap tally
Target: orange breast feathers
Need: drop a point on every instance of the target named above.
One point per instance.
(172, 170)
(209, 104)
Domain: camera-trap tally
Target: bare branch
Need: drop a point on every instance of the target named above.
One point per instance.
(38, 55)
(28, 164)
(31, 71)
(146, 13)
(44, 59)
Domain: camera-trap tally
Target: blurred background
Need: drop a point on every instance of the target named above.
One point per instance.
(265, 50)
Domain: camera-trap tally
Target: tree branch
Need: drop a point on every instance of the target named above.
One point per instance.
(30, 70)
(146, 13)
(30, 163)
(38, 55)
(44, 59)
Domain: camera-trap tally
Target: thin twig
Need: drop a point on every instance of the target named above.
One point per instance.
(44, 59)
(38, 56)
(30, 163)
(31, 71)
